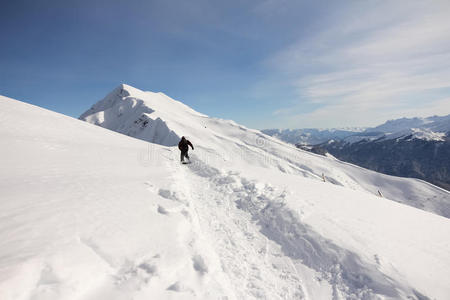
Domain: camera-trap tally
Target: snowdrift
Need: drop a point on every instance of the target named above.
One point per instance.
(88, 213)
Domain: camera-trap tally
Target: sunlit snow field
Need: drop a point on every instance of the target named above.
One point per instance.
(89, 213)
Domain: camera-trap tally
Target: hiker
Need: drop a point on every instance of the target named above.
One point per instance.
(183, 146)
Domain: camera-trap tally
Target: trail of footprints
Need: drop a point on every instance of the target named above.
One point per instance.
(137, 275)
(237, 262)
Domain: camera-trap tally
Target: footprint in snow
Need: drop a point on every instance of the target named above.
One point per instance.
(199, 264)
(167, 194)
(176, 287)
(186, 214)
(179, 287)
(162, 210)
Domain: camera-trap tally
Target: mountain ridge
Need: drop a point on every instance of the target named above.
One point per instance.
(428, 128)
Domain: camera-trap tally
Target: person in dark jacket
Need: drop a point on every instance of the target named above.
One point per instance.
(183, 146)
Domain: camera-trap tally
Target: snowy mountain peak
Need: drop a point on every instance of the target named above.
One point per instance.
(115, 97)
(143, 115)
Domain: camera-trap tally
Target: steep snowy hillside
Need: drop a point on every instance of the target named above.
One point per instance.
(87, 213)
(224, 143)
(84, 216)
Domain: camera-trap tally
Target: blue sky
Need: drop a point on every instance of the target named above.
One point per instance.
(265, 64)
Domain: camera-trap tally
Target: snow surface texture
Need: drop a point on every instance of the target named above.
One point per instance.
(87, 213)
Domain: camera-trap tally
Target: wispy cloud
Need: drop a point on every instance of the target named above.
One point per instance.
(369, 63)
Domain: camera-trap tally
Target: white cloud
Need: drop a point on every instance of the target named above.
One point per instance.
(364, 69)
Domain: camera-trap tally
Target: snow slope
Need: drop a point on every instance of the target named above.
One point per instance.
(87, 213)
(84, 217)
(223, 142)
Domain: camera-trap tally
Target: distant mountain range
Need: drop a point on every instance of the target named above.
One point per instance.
(407, 147)
(311, 136)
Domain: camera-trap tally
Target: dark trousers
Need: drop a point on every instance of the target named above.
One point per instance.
(183, 155)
